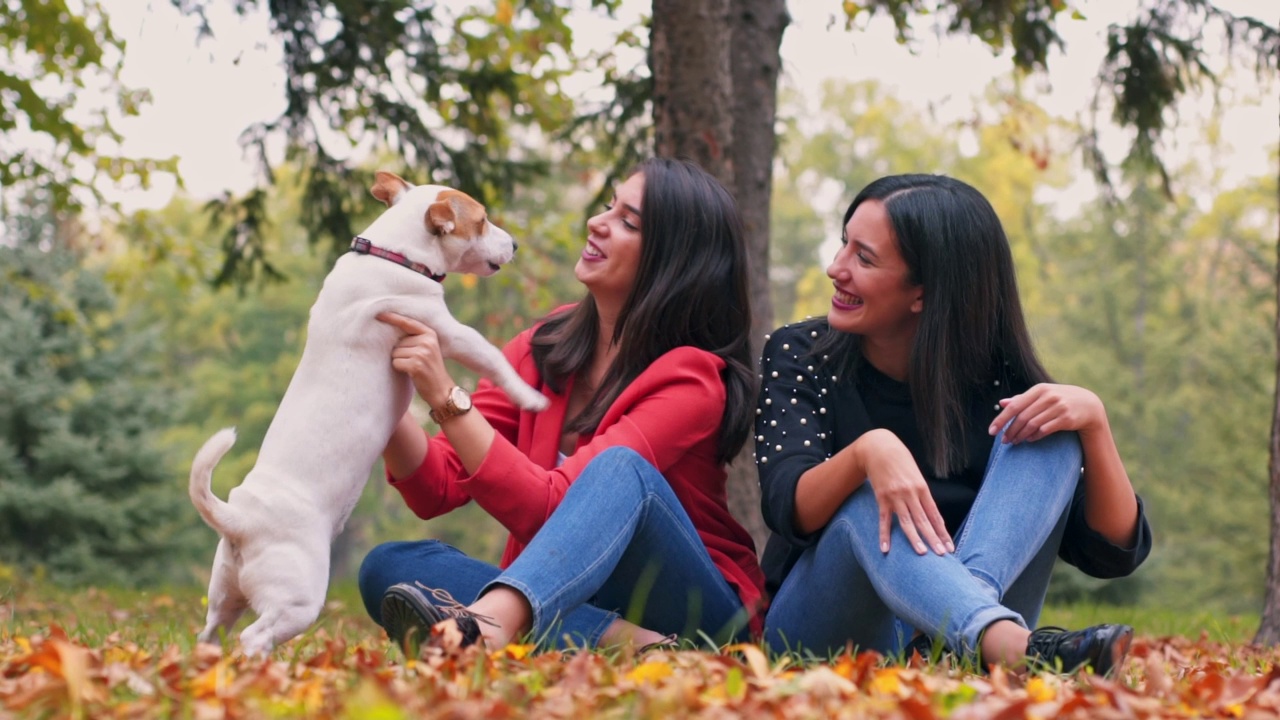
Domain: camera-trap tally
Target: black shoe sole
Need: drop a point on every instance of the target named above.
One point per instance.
(408, 618)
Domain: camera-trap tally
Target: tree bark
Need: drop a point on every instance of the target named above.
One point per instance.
(1269, 629)
(692, 83)
(715, 67)
(757, 27)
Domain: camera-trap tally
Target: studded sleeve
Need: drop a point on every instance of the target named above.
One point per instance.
(794, 428)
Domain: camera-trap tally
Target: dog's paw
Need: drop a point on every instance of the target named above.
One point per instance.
(533, 401)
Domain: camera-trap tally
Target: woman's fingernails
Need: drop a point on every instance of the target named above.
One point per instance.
(991, 430)
(951, 547)
(921, 549)
(884, 547)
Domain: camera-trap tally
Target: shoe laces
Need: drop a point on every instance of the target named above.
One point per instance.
(446, 604)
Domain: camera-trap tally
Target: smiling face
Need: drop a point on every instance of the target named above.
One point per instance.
(874, 296)
(609, 262)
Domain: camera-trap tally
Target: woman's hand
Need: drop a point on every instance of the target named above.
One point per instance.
(1046, 409)
(901, 490)
(1111, 507)
(418, 356)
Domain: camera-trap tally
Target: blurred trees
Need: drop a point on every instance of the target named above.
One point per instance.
(86, 490)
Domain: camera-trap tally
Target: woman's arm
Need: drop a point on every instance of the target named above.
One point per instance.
(426, 470)
(881, 458)
(1111, 506)
(670, 410)
(805, 474)
(407, 448)
(418, 356)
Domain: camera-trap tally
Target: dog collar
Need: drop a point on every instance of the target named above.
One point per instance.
(364, 247)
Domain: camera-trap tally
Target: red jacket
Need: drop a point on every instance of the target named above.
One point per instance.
(670, 414)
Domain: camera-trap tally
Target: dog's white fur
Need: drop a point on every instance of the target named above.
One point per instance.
(339, 411)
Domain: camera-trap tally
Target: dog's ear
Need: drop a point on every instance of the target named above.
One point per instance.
(441, 217)
(388, 187)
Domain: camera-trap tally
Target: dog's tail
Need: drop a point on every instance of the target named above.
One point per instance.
(217, 513)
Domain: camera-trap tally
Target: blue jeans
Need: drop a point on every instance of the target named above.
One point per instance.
(843, 589)
(620, 544)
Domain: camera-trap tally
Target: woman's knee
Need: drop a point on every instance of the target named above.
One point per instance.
(859, 508)
(618, 464)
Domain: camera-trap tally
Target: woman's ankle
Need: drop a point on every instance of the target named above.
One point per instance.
(1004, 642)
(511, 613)
(621, 632)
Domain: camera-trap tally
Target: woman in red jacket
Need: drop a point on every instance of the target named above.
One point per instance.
(614, 496)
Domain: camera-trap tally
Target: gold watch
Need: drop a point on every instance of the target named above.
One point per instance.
(457, 403)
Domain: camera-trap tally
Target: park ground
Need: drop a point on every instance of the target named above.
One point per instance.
(96, 653)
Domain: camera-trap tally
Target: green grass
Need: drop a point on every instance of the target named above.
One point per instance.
(161, 617)
(1156, 622)
(154, 618)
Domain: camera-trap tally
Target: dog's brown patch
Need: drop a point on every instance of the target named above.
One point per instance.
(457, 212)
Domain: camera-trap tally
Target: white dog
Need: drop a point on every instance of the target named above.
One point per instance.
(341, 406)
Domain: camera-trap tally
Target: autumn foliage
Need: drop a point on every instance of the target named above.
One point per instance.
(354, 673)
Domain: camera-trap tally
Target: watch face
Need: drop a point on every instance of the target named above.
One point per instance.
(461, 398)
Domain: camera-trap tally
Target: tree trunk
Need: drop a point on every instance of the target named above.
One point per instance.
(715, 70)
(1269, 630)
(692, 83)
(757, 27)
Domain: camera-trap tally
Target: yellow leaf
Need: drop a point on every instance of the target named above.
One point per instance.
(651, 671)
(1040, 691)
(886, 682)
(514, 652)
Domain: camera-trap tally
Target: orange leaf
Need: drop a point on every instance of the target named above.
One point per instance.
(75, 669)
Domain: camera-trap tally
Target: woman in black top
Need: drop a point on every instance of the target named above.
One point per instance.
(917, 412)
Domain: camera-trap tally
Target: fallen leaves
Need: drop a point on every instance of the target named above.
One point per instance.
(49, 674)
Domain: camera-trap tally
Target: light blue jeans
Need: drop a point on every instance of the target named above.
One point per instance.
(843, 589)
(620, 544)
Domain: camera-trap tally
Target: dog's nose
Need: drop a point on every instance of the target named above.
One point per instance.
(514, 246)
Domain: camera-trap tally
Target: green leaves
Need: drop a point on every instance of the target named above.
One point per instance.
(49, 52)
(85, 491)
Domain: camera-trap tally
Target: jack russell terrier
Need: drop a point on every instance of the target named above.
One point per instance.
(341, 406)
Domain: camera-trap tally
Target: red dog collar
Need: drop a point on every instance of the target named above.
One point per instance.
(364, 247)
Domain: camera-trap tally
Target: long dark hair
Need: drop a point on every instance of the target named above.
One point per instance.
(690, 289)
(972, 330)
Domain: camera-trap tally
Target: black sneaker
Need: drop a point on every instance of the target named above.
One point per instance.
(408, 616)
(931, 649)
(1101, 647)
